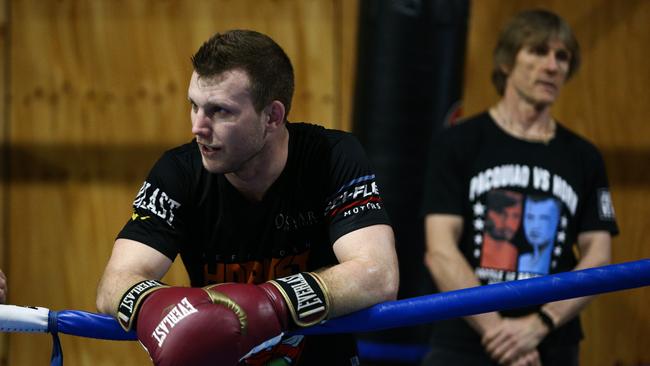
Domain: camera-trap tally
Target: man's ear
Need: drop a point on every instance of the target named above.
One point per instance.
(275, 113)
(505, 69)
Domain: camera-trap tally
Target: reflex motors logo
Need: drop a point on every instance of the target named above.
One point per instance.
(357, 196)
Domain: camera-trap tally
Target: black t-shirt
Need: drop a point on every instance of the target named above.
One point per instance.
(523, 206)
(326, 190)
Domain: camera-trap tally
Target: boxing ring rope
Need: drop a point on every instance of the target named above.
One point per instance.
(391, 314)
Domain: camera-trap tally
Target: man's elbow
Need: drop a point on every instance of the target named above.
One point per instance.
(387, 280)
(102, 301)
(101, 305)
(605, 259)
(595, 249)
(435, 259)
(390, 291)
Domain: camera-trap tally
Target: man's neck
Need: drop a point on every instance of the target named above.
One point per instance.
(258, 174)
(524, 119)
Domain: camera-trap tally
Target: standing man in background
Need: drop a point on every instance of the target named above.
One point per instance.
(518, 147)
(279, 225)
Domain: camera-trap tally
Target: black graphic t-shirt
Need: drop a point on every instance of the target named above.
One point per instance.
(523, 205)
(326, 190)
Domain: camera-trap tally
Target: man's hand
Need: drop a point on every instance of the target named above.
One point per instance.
(3, 287)
(527, 359)
(513, 338)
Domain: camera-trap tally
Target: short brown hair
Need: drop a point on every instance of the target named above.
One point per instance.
(532, 27)
(263, 60)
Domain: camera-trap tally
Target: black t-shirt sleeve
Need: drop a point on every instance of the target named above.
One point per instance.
(353, 200)
(158, 218)
(597, 212)
(444, 181)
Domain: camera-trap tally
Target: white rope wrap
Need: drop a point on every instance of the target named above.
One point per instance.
(23, 319)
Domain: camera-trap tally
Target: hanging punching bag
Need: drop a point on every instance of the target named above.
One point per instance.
(409, 80)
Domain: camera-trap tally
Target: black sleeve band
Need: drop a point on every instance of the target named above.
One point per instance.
(306, 296)
(127, 310)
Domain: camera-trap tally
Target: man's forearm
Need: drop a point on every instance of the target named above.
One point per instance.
(595, 248)
(449, 269)
(130, 262)
(367, 272)
(450, 272)
(358, 284)
(595, 251)
(111, 288)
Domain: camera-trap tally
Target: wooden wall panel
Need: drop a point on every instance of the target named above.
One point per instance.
(607, 101)
(98, 92)
(4, 29)
(347, 16)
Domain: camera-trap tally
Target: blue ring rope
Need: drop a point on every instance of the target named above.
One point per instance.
(428, 308)
(483, 299)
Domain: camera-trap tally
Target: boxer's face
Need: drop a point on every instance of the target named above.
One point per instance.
(540, 222)
(504, 223)
(229, 131)
(539, 72)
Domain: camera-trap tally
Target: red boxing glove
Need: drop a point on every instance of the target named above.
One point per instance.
(196, 326)
(219, 324)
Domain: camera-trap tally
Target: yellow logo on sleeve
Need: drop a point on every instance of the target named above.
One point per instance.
(135, 216)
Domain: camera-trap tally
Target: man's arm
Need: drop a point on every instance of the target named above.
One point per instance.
(367, 272)
(130, 262)
(595, 251)
(451, 271)
(447, 265)
(515, 335)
